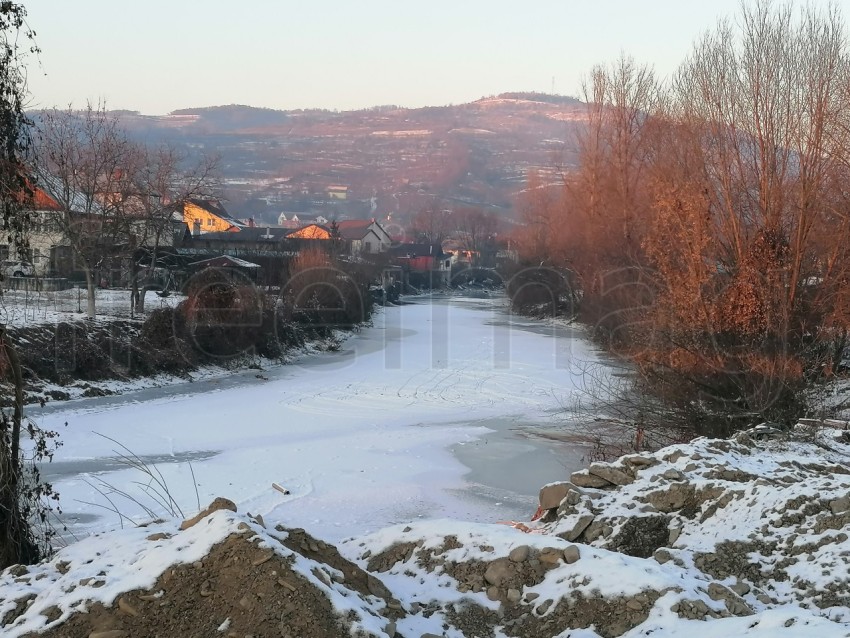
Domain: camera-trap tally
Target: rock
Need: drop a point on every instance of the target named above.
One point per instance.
(662, 556)
(262, 559)
(593, 531)
(740, 588)
(110, 633)
(158, 536)
(390, 629)
(498, 571)
(550, 556)
(584, 478)
(551, 495)
(571, 554)
(673, 498)
(734, 603)
(673, 475)
(376, 587)
(519, 554)
(634, 605)
(610, 474)
(430, 636)
(513, 595)
(675, 532)
(218, 504)
(581, 524)
(840, 505)
(531, 596)
(636, 460)
(127, 608)
(493, 593)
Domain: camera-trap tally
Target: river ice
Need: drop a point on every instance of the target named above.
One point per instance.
(422, 415)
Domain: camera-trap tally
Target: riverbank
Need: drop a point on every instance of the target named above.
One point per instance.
(743, 537)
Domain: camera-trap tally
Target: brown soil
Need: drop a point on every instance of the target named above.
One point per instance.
(254, 588)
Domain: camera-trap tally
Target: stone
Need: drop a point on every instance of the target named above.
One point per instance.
(673, 475)
(513, 595)
(593, 531)
(571, 554)
(673, 498)
(493, 593)
(430, 636)
(110, 633)
(551, 495)
(637, 460)
(550, 556)
(390, 629)
(218, 504)
(580, 525)
(840, 505)
(376, 587)
(634, 605)
(127, 608)
(675, 532)
(584, 478)
(740, 588)
(531, 596)
(519, 554)
(498, 571)
(610, 474)
(158, 536)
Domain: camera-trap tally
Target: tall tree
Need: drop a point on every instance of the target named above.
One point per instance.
(163, 182)
(85, 164)
(17, 541)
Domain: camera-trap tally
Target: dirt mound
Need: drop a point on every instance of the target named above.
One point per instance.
(238, 589)
(219, 575)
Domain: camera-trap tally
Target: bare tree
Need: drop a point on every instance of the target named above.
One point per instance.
(83, 160)
(163, 183)
(432, 224)
(476, 230)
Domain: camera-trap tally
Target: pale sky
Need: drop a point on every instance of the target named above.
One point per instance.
(155, 56)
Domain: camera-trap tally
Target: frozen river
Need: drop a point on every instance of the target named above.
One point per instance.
(429, 413)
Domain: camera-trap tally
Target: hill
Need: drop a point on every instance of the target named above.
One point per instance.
(394, 161)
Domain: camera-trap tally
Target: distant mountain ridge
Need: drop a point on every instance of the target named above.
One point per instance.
(394, 161)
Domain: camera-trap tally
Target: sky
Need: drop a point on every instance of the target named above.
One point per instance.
(156, 56)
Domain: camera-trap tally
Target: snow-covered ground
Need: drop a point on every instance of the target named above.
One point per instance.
(744, 537)
(359, 437)
(25, 308)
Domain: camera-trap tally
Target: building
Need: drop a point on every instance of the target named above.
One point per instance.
(312, 231)
(337, 191)
(208, 216)
(425, 265)
(364, 236)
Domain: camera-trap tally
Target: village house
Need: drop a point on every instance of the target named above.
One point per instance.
(365, 236)
(311, 231)
(208, 216)
(337, 191)
(424, 265)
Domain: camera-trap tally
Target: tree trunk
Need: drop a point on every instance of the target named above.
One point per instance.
(16, 539)
(134, 288)
(90, 293)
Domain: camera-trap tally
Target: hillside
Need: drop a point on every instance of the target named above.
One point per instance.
(394, 161)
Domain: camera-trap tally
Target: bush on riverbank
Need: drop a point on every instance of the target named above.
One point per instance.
(224, 320)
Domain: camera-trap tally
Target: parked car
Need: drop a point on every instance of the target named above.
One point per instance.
(13, 268)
